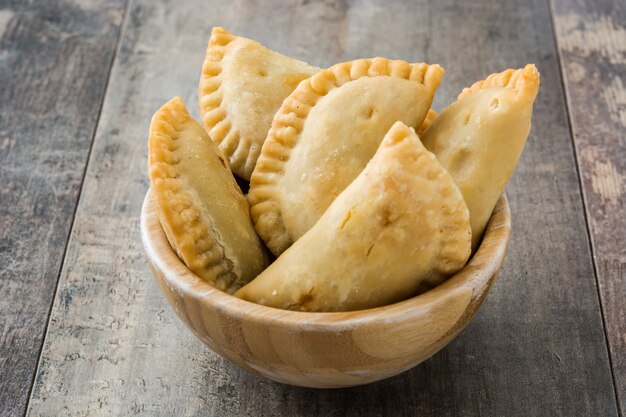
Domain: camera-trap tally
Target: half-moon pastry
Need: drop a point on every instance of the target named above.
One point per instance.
(241, 87)
(399, 228)
(325, 133)
(479, 138)
(201, 208)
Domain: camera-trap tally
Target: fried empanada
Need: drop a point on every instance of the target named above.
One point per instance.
(241, 87)
(479, 138)
(399, 228)
(201, 208)
(325, 133)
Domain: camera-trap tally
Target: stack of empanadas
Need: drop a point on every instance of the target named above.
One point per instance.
(359, 209)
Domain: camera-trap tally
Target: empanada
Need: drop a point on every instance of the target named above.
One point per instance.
(325, 133)
(399, 228)
(241, 87)
(201, 208)
(479, 138)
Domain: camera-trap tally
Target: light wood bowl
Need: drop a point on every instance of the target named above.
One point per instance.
(327, 350)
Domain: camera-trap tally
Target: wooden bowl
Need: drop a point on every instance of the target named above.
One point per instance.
(327, 350)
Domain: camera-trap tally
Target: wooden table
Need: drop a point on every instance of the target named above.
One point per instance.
(84, 330)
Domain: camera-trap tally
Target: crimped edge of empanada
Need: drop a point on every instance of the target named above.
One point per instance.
(186, 228)
(212, 109)
(524, 80)
(430, 117)
(287, 126)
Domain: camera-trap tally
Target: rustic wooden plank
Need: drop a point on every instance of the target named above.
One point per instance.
(55, 58)
(591, 37)
(115, 348)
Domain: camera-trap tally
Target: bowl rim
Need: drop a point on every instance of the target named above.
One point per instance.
(479, 274)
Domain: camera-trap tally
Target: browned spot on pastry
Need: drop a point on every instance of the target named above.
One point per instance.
(346, 220)
(388, 216)
(305, 299)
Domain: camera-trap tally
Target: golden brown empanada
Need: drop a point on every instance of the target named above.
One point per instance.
(201, 208)
(480, 137)
(241, 87)
(325, 133)
(400, 227)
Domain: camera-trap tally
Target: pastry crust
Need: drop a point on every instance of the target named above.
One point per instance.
(203, 212)
(325, 133)
(480, 137)
(432, 114)
(242, 85)
(525, 81)
(399, 228)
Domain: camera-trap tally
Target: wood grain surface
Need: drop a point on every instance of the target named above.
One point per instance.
(592, 43)
(55, 58)
(538, 347)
